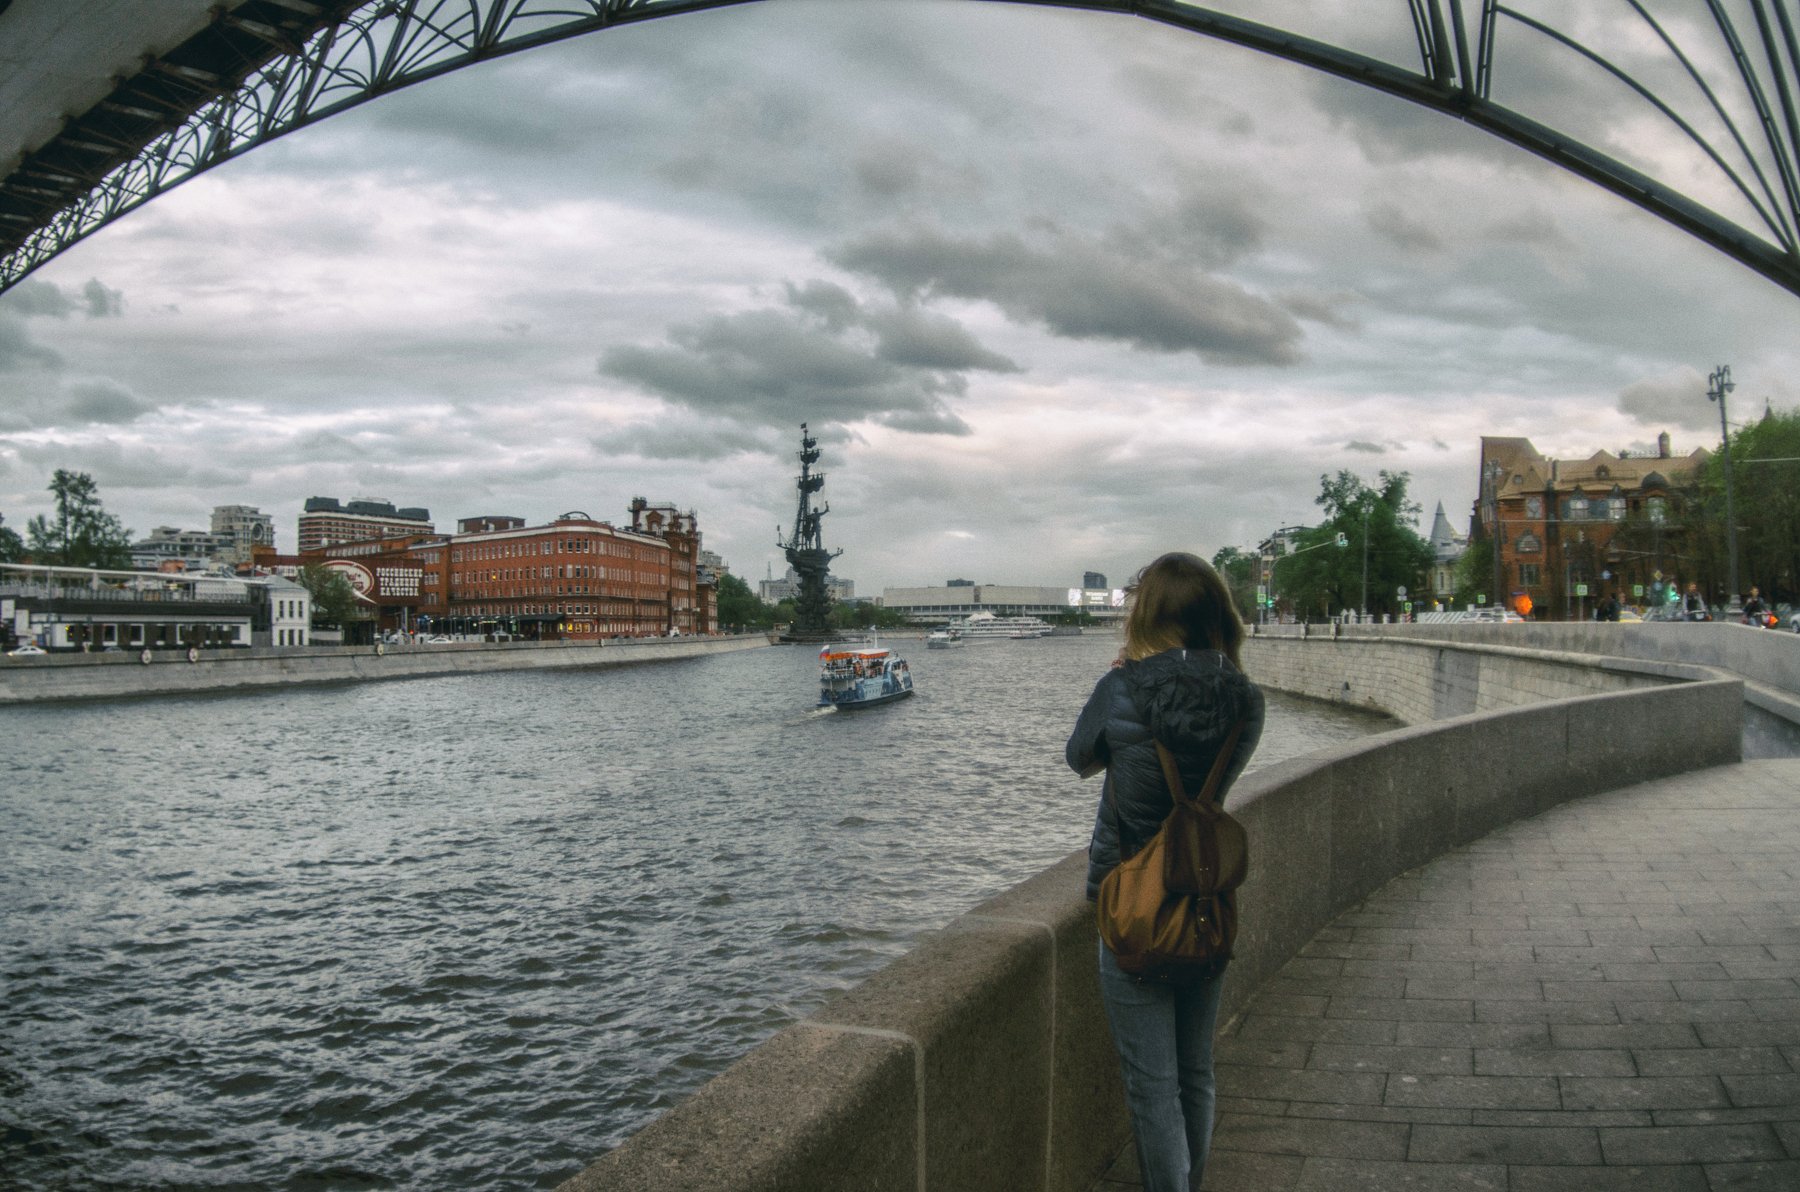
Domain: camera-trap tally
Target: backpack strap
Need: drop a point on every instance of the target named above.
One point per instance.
(1172, 773)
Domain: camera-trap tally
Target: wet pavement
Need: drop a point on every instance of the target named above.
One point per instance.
(1606, 996)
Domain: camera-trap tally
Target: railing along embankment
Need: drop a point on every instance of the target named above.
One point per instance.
(1427, 672)
(178, 672)
(981, 1059)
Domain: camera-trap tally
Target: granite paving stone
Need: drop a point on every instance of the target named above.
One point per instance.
(1735, 1143)
(1504, 1144)
(1603, 998)
(1779, 1176)
(1715, 1061)
(1552, 1061)
(1658, 1092)
(1472, 1034)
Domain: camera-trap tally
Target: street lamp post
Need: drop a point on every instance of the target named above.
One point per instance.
(1364, 612)
(1718, 385)
(1495, 471)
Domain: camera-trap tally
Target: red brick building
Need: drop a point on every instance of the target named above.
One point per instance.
(1566, 525)
(575, 578)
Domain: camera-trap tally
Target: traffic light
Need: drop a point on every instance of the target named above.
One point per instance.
(1673, 594)
(1342, 540)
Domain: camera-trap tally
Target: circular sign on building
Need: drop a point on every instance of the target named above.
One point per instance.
(362, 580)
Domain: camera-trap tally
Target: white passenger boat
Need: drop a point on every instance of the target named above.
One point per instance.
(985, 626)
(943, 639)
(861, 677)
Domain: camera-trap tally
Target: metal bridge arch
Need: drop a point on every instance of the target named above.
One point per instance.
(264, 68)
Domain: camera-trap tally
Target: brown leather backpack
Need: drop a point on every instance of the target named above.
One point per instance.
(1168, 910)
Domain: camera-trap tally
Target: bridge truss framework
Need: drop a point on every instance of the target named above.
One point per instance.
(264, 68)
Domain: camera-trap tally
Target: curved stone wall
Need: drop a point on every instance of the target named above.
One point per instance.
(981, 1059)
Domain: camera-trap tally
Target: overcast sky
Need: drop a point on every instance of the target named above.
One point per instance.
(1057, 291)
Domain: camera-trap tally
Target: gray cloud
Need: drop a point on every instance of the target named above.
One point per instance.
(826, 356)
(34, 297)
(770, 368)
(834, 306)
(19, 350)
(919, 339)
(1676, 398)
(683, 439)
(1080, 291)
(105, 402)
(1403, 230)
(101, 302)
(325, 446)
(1322, 307)
(1366, 447)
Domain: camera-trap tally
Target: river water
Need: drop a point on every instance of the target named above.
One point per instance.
(472, 931)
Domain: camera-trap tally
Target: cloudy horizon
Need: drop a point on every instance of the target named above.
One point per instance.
(1056, 290)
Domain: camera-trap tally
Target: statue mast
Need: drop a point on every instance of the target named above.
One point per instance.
(805, 550)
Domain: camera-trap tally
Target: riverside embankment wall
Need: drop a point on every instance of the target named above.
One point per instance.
(981, 1059)
(1425, 672)
(118, 676)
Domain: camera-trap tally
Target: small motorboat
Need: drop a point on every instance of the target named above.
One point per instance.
(861, 677)
(943, 639)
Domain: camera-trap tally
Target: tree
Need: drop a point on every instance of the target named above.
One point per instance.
(1766, 494)
(12, 547)
(1374, 526)
(739, 607)
(1475, 575)
(1241, 572)
(83, 534)
(333, 599)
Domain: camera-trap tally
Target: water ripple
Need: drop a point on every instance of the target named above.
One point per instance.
(453, 950)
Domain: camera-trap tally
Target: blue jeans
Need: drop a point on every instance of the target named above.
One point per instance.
(1164, 1033)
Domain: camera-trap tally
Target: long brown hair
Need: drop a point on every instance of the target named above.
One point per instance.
(1179, 600)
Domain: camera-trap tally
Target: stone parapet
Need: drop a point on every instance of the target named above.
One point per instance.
(981, 1060)
(169, 672)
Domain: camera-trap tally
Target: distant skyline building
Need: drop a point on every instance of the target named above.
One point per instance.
(774, 591)
(1091, 580)
(246, 526)
(959, 598)
(326, 521)
(1447, 547)
(167, 546)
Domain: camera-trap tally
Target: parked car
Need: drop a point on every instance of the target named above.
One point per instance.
(1491, 614)
(28, 650)
(1626, 614)
(438, 640)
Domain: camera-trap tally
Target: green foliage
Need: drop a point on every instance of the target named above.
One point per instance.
(333, 599)
(81, 533)
(1320, 578)
(1241, 570)
(1475, 575)
(739, 607)
(12, 547)
(864, 616)
(1767, 500)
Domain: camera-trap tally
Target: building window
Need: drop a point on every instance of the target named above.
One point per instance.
(1528, 575)
(1578, 508)
(1529, 544)
(1615, 508)
(1534, 507)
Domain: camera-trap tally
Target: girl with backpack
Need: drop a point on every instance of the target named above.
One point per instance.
(1177, 681)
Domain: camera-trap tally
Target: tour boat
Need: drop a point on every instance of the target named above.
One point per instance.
(861, 677)
(943, 639)
(985, 626)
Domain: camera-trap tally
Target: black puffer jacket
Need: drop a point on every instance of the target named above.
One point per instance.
(1188, 700)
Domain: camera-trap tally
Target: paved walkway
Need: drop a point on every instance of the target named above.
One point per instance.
(1606, 997)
